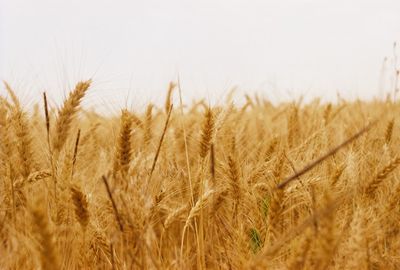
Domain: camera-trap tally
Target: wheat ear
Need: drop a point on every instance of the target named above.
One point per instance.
(48, 254)
(66, 114)
(81, 206)
(123, 152)
(389, 131)
(206, 134)
(381, 175)
(21, 126)
(168, 101)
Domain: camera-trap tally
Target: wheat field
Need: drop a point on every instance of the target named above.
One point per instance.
(259, 186)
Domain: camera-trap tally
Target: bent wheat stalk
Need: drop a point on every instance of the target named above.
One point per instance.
(333, 151)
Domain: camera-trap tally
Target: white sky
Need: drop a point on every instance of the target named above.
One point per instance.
(280, 49)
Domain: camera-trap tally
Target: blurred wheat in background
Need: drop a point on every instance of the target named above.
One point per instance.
(258, 186)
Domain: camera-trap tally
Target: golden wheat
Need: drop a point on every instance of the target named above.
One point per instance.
(261, 186)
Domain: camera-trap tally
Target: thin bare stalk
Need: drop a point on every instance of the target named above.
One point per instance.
(114, 205)
(153, 166)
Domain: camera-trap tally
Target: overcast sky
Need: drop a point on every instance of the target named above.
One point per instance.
(132, 49)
